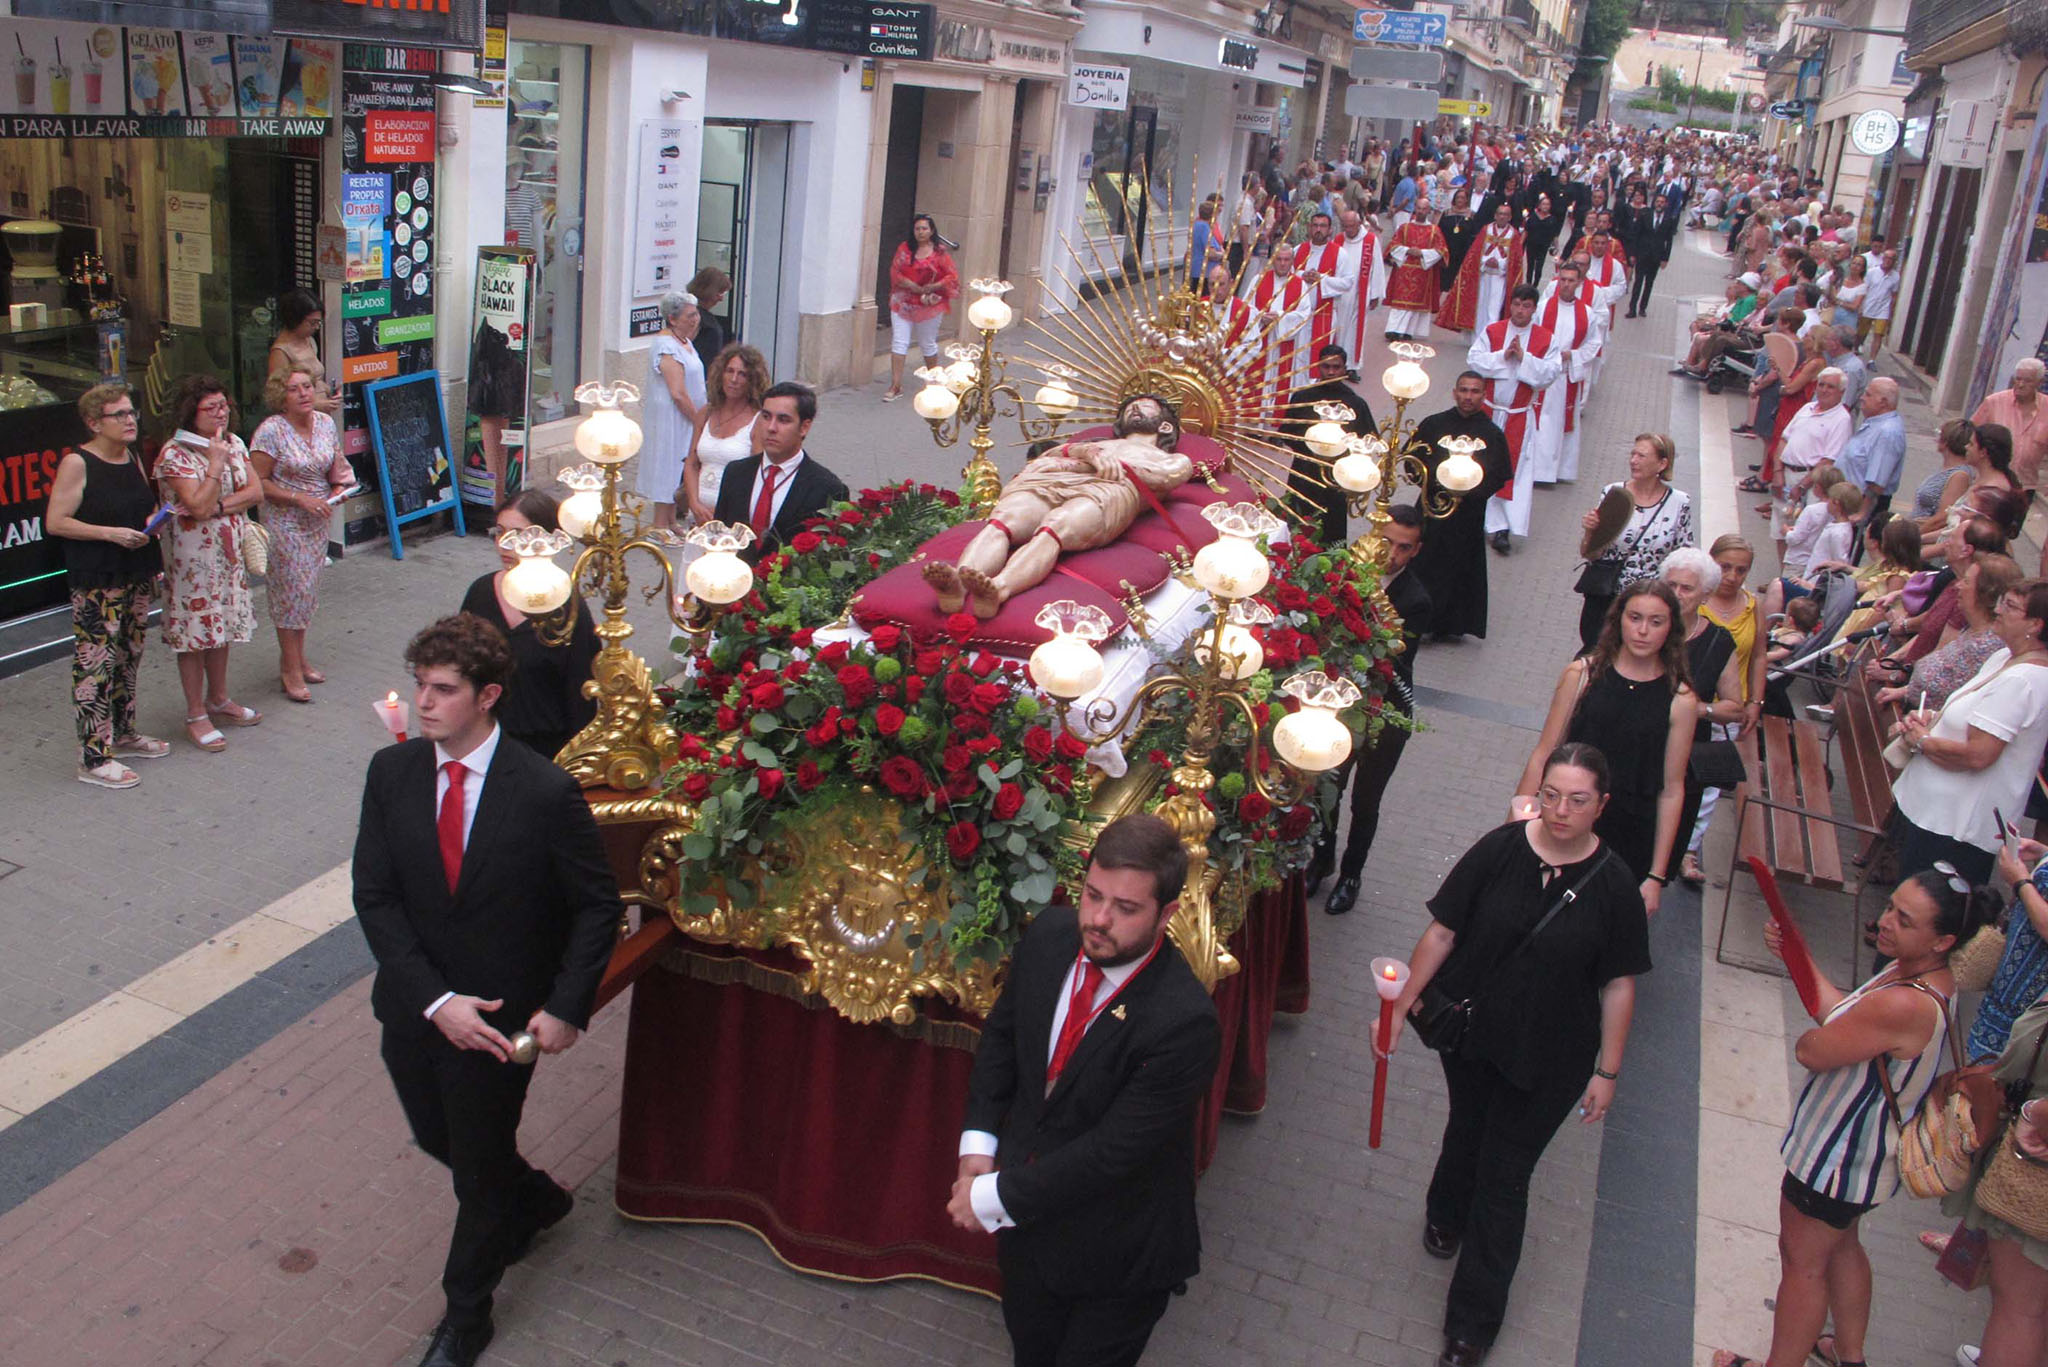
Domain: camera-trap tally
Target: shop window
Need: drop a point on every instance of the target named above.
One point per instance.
(549, 113)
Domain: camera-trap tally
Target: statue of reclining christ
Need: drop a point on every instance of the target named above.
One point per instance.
(1073, 498)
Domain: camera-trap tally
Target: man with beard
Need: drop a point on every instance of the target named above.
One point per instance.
(1416, 254)
(1479, 295)
(1315, 497)
(1452, 561)
(1283, 301)
(1521, 363)
(1324, 266)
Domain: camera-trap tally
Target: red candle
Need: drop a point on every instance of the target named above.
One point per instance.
(1389, 977)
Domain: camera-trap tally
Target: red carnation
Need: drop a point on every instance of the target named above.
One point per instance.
(808, 776)
(1037, 744)
(771, 782)
(766, 697)
(803, 543)
(1070, 746)
(901, 775)
(1009, 800)
(858, 684)
(956, 759)
(886, 637)
(962, 840)
(1253, 807)
(959, 688)
(888, 719)
(987, 697)
(961, 625)
(697, 787)
(1292, 597)
(727, 719)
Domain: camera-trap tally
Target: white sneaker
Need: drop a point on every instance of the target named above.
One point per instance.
(1966, 1356)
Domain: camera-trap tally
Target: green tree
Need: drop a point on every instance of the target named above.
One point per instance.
(1607, 23)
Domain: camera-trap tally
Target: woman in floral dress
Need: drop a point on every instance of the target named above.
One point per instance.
(297, 455)
(204, 468)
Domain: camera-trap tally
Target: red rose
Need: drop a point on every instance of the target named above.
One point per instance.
(961, 625)
(851, 518)
(983, 745)
(771, 782)
(1158, 759)
(1070, 746)
(962, 840)
(848, 725)
(959, 688)
(901, 775)
(888, 719)
(1060, 778)
(765, 697)
(949, 498)
(927, 662)
(913, 690)
(1292, 597)
(727, 719)
(697, 787)
(1009, 799)
(1253, 807)
(802, 639)
(858, 684)
(1037, 744)
(808, 776)
(803, 543)
(956, 759)
(886, 637)
(987, 697)
(692, 747)
(1321, 606)
(984, 665)
(961, 786)
(821, 735)
(969, 723)
(1294, 825)
(834, 654)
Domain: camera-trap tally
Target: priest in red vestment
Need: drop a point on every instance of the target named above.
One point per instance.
(1479, 294)
(1281, 304)
(1323, 263)
(1415, 254)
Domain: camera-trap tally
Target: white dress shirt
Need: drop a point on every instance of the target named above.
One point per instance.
(988, 1206)
(478, 763)
(785, 475)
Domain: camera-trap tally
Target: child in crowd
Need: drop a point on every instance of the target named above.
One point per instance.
(1802, 618)
(1811, 521)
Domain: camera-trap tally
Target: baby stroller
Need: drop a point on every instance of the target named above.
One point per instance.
(1818, 660)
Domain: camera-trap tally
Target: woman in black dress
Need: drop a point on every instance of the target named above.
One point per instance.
(543, 705)
(1630, 694)
(1539, 235)
(1716, 673)
(1459, 227)
(1549, 1016)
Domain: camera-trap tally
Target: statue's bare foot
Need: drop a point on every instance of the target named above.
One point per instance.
(984, 599)
(945, 582)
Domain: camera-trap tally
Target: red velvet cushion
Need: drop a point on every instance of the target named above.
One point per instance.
(1204, 451)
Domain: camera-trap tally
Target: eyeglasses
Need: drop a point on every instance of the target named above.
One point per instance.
(1571, 802)
(1956, 882)
(117, 414)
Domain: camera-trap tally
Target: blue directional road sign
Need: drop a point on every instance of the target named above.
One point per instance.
(1399, 26)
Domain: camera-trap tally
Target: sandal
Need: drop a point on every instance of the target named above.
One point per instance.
(209, 739)
(298, 694)
(314, 676)
(1689, 870)
(112, 774)
(1753, 485)
(892, 396)
(1934, 1241)
(142, 747)
(1824, 1351)
(233, 713)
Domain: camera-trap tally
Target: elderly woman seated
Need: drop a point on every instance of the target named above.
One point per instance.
(1720, 331)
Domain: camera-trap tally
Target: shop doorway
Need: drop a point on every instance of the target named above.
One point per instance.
(544, 173)
(1119, 190)
(899, 193)
(741, 221)
(1955, 210)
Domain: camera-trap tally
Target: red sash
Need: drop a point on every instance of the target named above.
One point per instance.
(1280, 350)
(1514, 418)
(1580, 322)
(1323, 321)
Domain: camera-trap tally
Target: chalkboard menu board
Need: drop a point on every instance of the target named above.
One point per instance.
(409, 433)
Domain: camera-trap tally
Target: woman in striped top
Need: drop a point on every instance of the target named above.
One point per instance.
(1840, 1159)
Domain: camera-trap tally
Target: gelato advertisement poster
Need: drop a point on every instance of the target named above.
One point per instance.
(63, 69)
(156, 77)
(209, 75)
(259, 66)
(306, 88)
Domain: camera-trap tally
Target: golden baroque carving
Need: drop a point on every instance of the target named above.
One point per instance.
(629, 742)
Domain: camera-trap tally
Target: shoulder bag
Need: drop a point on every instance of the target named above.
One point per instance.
(1441, 1021)
(1939, 1142)
(2014, 1187)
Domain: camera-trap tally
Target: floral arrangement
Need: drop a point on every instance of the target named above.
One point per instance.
(775, 727)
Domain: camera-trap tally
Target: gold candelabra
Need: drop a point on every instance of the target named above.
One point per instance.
(626, 744)
(969, 393)
(1371, 469)
(1224, 658)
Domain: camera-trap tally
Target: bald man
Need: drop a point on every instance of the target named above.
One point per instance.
(1876, 454)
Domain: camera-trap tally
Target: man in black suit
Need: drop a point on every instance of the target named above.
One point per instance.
(1313, 493)
(777, 492)
(487, 900)
(1369, 771)
(1078, 1149)
(1652, 231)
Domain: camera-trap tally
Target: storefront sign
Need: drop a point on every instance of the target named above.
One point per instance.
(644, 321)
(415, 23)
(32, 442)
(377, 365)
(500, 374)
(365, 209)
(1237, 55)
(392, 331)
(1399, 26)
(1100, 87)
(851, 28)
(1874, 132)
(393, 136)
(1253, 120)
(1022, 55)
(366, 304)
(669, 153)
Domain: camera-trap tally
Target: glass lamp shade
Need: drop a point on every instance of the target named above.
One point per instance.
(1326, 439)
(719, 577)
(1405, 379)
(1460, 473)
(961, 375)
(580, 511)
(1356, 473)
(936, 403)
(1238, 654)
(608, 437)
(1055, 399)
(1232, 567)
(537, 585)
(1312, 740)
(1067, 667)
(989, 314)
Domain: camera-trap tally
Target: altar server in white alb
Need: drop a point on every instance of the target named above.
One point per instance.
(1282, 303)
(1332, 272)
(1568, 312)
(1607, 274)
(1516, 357)
(1359, 256)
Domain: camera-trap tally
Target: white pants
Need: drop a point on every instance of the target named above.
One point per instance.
(902, 332)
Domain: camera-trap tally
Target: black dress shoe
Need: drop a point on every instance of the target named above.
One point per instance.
(1343, 897)
(1439, 1242)
(550, 1209)
(453, 1347)
(1318, 869)
(1499, 542)
(1459, 1353)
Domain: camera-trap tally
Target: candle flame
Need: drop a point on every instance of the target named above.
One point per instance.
(391, 698)
(1388, 973)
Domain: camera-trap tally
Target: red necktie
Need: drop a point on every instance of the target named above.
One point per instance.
(764, 506)
(1080, 1009)
(450, 823)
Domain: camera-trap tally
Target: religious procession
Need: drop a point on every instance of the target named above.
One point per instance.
(859, 858)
